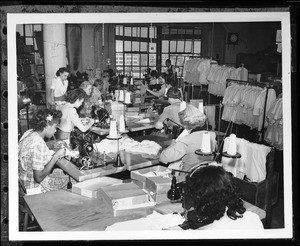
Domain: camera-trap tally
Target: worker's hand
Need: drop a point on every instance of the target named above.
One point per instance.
(91, 121)
(60, 153)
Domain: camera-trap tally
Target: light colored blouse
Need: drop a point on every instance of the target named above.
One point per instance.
(59, 87)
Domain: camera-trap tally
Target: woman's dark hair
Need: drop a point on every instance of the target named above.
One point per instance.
(154, 73)
(61, 70)
(174, 92)
(44, 117)
(73, 95)
(210, 190)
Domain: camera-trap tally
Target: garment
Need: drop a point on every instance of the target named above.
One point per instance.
(33, 154)
(59, 87)
(184, 149)
(69, 117)
(249, 221)
(171, 112)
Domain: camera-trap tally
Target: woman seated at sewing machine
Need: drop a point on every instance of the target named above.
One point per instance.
(181, 153)
(165, 85)
(70, 117)
(212, 203)
(93, 98)
(36, 160)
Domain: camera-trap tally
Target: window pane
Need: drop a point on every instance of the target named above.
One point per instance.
(164, 57)
(136, 72)
(189, 31)
(119, 59)
(128, 70)
(197, 31)
(197, 47)
(152, 59)
(165, 46)
(165, 31)
(28, 30)
(144, 59)
(188, 46)
(19, 29)
(119, 46)
(119, 70)
(38, 27)
(144, 32)
(117, 30)
(134, 32)
(127, 59)
(127, 31)
(127, 46)
(173, 59)
(121, 30)
(152, 47)
(135, 46)
(144, 46)
(143, 70)
(180, 59)
(135, 59)
(181, 31)
(155, 32)
(29, 41)
(173, 31)
(180, 46)
(172, 46)
(151, 32)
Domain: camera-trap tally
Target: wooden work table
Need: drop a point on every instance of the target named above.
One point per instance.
(63, 210)
(136, 161)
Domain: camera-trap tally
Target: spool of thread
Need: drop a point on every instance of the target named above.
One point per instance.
(205, 145)
(127, 97)
(200, 107)
(232, 145)
(124, 81)
(121, 123)
(113, 129)
(131, 81)
(121, 95)
(117, 95)
(182, 106)
(156, 81)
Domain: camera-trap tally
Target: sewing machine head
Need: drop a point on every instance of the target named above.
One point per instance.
(101, 117)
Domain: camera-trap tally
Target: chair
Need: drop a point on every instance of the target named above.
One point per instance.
(24, 213)
(263, 194)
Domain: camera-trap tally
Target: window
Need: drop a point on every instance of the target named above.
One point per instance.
(135, 49)
(178, 44)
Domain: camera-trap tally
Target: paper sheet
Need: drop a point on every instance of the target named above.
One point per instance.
(154, 221)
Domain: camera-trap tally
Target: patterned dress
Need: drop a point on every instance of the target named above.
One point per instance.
(34, 154)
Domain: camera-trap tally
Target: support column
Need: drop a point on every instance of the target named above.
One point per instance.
(55, 53)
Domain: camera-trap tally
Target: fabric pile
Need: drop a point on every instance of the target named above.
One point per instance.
(274, 132)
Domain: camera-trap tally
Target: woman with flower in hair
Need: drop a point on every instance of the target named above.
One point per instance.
(212, 202)
(182, 151)
(36, 160)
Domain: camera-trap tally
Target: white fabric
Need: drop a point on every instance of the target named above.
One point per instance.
(154, 221)
(59, 87)
(252, 162)
(249, 221)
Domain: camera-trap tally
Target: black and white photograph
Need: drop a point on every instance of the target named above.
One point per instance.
(149, 125)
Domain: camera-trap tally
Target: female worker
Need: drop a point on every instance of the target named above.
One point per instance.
(182, 151)
(59, 87)
(70, 117)
(93, 98)
(165, 85)
(36, 160)
(212, 202)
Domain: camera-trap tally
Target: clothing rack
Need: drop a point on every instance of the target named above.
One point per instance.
(266, 85)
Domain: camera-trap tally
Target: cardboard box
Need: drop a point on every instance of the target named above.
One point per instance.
(158, 185)
(142, 174)
(89, 188)
(125, 197)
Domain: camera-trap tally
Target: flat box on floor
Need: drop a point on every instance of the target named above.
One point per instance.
(124, 198)
(89, 188)
(143, 174)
